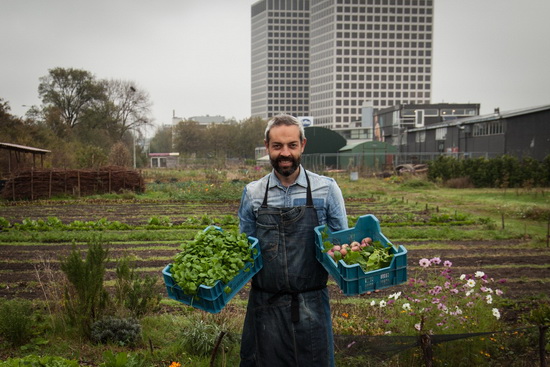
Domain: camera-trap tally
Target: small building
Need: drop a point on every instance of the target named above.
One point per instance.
(164, 160)
(322, 147)
(376, 155)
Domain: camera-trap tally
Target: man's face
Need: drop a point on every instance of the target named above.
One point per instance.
(285, 149)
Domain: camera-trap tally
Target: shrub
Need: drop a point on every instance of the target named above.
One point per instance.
(134, 293)
(200, 338)
(16, 321)
(85, 296)
(116, 330)
(502, 172)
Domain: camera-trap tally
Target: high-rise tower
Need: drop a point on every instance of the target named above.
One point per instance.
(342, 54)
(280, 57)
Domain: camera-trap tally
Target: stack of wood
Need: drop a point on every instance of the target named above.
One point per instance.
(44, 184)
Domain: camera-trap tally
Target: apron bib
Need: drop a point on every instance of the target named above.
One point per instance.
(288, 319)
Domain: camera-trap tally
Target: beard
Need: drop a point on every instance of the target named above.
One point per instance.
(285, 171)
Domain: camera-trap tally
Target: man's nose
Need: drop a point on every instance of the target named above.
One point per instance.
(285, 151)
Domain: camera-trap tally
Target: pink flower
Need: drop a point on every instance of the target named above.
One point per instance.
(447, 264)
(424, 263)
(435, 260)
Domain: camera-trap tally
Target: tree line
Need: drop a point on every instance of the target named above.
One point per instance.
(87, 122)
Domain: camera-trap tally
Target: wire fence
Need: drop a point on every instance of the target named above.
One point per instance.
(379, 161)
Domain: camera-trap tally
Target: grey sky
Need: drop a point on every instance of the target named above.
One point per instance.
(193, 56)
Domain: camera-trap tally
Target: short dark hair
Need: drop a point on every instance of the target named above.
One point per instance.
(284, 119)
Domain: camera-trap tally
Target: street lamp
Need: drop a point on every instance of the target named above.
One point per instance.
(133, 90)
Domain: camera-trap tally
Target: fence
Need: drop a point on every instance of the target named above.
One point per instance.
(45, 183)
(378, 161)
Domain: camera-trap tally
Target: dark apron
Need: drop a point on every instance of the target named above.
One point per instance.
(288, 316)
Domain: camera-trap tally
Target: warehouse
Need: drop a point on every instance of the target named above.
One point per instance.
(520, 133)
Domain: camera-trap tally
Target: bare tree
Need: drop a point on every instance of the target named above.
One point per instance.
(128, 107)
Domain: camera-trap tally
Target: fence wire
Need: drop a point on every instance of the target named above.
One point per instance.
(386, 346)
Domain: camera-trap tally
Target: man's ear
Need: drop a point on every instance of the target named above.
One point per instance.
(304, 144)
(266, 144)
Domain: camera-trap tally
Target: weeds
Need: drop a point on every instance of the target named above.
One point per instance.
(16, 321)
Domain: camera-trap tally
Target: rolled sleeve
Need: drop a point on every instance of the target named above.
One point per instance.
(247, 219)
(337, 219)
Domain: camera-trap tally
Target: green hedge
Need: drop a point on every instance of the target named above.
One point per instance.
(504, 171)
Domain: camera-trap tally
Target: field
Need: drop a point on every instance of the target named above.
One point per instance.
(500, 232)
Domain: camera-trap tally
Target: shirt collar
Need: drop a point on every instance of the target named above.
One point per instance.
(300, 180)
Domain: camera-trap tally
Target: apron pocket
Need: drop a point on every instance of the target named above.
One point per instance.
(270, 240)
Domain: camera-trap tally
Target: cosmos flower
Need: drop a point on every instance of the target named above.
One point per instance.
(424, 263)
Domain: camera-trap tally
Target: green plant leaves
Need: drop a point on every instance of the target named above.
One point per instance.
(211, 256)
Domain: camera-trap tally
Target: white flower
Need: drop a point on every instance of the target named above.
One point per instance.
(489, 299)
(417, 326)
(373, 303)
(382, 303)
(424, 263)
(387, 332)
(499, 292)
(479, 274)
(395, 295)
(407, 306)
(496, 313)
(463, 276)
(471, 283)
(458, 311)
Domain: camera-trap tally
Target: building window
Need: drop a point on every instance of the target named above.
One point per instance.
(488, 128)
(420, 136)
(441, 133)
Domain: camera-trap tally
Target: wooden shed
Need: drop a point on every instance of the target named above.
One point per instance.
(17, 158)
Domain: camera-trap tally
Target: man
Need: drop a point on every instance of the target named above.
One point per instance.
(288, 316)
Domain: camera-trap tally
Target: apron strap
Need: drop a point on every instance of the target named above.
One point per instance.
(309, 196)
(264, 203)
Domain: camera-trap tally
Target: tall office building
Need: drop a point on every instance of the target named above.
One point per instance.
(353, 52)
(280, 57)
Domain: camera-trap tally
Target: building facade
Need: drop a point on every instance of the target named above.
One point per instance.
(519, 133)
(280, 58)
(327, 58)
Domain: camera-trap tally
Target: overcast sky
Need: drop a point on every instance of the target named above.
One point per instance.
(193, 56)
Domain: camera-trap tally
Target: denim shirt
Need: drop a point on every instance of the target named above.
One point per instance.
(327, 200)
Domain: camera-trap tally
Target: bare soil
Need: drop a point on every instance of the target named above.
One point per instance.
(24, 268)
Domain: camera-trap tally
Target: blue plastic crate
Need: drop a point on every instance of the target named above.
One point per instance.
(352, 279)
(213, 299)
